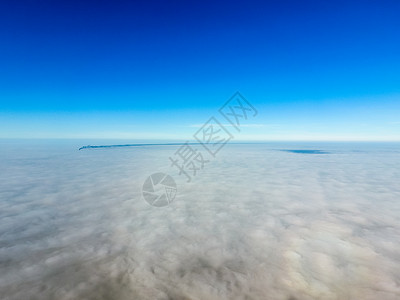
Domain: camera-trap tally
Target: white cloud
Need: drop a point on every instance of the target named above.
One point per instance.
(255, 223)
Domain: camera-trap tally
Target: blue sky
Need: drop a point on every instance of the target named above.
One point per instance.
(158, 69)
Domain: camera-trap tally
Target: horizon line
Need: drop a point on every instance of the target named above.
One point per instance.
(182, 141)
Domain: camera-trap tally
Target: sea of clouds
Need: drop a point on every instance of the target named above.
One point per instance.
(256, 223)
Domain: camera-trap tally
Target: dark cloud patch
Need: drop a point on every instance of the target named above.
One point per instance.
(305, 151)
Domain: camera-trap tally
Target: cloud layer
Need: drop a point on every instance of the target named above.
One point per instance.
(256, 223)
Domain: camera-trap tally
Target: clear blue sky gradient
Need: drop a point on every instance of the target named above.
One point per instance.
(315, 70)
